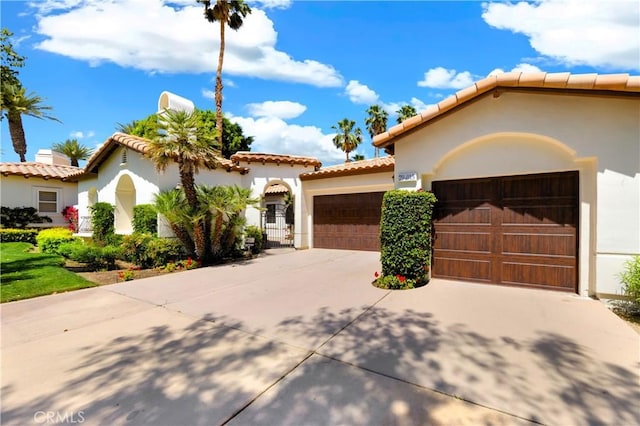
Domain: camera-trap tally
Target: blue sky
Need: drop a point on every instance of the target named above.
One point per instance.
(295, 68)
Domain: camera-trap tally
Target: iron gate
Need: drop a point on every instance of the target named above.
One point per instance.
(277, 226)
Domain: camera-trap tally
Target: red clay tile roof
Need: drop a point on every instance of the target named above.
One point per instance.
(258, 157)
(374, 165)
(536, 80)
(139, 144)
(276, 189)
(41, 170)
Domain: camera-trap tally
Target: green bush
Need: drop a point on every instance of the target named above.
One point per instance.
(20, 217)
(148, 251)
(630, 279)
(10, 235)
(102, 221)
(161, 251)
(48, 240)
(145, 219)
(405, 234)
(255, 233)
(97, 258)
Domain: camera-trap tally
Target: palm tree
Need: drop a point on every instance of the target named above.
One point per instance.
(180, 139)
(226, 12)
(16, 103)
(72, 149)
(376, 122)
(345, 139)
(172, 205)
(406, 112)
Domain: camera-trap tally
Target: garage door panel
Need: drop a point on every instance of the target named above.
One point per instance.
(532, 223)
(539, 244)
(476, 242)
(463, 269)
(539, 275)
(539, 215)
(465, 215)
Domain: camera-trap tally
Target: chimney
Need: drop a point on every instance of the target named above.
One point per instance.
(48, 156)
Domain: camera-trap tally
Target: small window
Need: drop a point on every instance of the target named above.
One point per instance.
(271, 213)
(47, 201)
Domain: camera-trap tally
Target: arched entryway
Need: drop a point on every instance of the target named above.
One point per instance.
(125, 201)
(278, 220)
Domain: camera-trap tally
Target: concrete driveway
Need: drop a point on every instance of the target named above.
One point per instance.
(303, 338)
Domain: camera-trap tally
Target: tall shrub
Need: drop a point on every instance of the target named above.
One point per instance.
(102, 221)
(405, 234)
(145, 219)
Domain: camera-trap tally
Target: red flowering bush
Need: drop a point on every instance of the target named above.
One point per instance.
(393, 282)
(70, 214)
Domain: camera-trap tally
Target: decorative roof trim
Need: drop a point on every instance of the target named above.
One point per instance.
(259, 157)
(613, 83)
(362, 167)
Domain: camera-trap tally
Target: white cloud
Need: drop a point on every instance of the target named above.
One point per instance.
(360, 93)
(79, 134)
(273, 4)
(274, 135)
(208, 94)
(170, 39)
(418, 104)
(518, 68)
(276, 109)
(597, 33)
(442, 78)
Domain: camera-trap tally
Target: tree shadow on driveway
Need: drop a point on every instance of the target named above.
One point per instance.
(383, 368)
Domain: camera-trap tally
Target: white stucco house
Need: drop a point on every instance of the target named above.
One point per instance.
(48, 184)
(537, 176)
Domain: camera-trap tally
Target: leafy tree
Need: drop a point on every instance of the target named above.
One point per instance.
(16, 103)
(74, 150)
(10, 60)
(231, 13)
(146, 128)
(182, 140)
(405, 112)
(347, 139)
(358, 157)
(376, 122)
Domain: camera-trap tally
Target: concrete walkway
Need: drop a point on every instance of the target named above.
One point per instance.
(303, 338)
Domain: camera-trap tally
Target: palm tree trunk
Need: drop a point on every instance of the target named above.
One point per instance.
(217, 233)
(16, 130)
(219, 84)
(199, 234)
(74, 162)
(184, 238)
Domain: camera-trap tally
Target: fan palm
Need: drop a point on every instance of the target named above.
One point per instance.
(181, 140)
(347, 139)
(231, 13)
(172, 205)
(74, 150)
(376, 122)
(16, 103)
(406, 112)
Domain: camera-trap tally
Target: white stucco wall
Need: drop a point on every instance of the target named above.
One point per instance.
(522, 133)
(16, 191)
(373, 182)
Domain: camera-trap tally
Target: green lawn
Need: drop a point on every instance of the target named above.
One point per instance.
(24, 274)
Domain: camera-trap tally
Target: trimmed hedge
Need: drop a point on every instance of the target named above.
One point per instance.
(145, 219)
(18, 235)
(50, 239)
(405, 236)
(148, 251)
(97, 258)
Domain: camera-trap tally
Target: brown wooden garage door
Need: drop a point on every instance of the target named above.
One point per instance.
(514, 230)
(347, 221)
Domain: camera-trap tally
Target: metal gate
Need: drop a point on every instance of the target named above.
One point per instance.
(277, 226)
